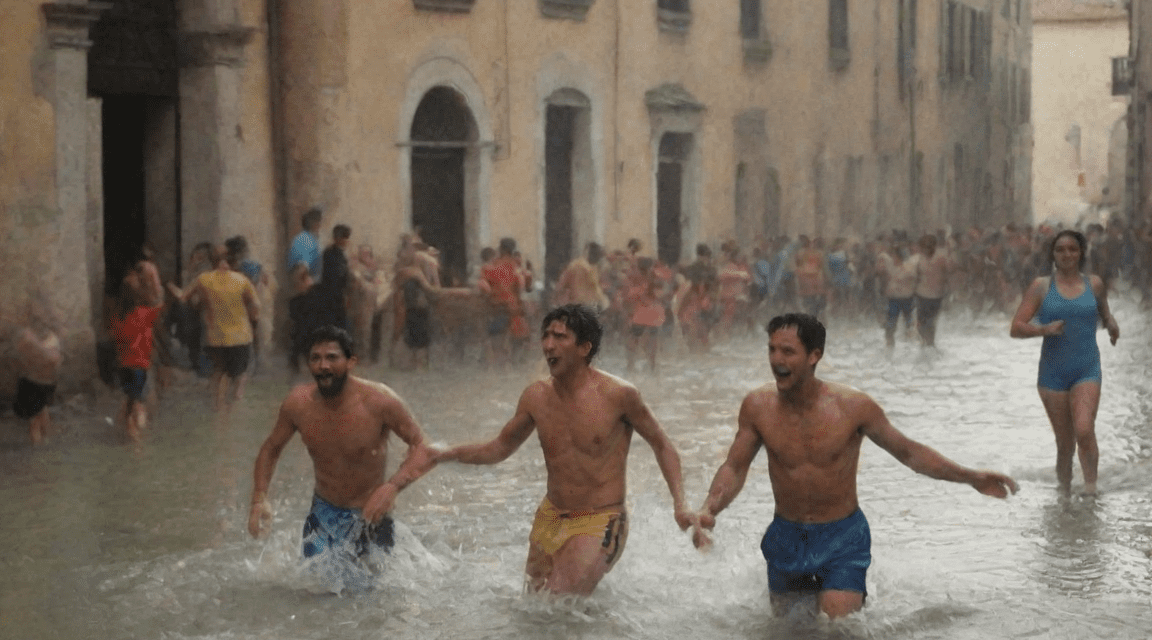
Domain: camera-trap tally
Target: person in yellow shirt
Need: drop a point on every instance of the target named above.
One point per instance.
(229, 307)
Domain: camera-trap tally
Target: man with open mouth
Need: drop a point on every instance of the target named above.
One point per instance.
(585, 419)
(344, 422)
(819, 542)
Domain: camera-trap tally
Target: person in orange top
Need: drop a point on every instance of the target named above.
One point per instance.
(645, 300)
(503, 281)
(132, 330)
(697, 300)
(230, 307)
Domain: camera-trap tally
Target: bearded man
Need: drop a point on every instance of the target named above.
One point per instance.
(344, 422)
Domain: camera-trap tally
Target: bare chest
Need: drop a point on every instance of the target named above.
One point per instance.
(819, 438)
(583, 428)
(350, 435)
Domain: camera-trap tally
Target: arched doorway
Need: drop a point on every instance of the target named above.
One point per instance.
(444, 148)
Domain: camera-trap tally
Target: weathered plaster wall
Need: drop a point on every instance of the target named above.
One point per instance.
(1074, 112)
(27, 156)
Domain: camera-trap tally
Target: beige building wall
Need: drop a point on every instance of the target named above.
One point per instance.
(1139, 172)
(27, 170)
(206, 175)
(439, 112)
(1074, 109)
(837, 141)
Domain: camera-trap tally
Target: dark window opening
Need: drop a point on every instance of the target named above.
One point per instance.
(444, 124)
(559, 141)
(838, 34)
(1121, 76)
(669, 184)
(674, 153)
(771, 203)
(966, 43)
(673, 16)
(445, 6)
(565, 9)
(905, 44)
(750, 19)
(123, 120)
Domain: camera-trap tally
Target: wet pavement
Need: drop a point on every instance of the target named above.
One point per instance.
(109, 540)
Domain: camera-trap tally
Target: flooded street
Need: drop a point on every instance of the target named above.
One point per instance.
(104, 541)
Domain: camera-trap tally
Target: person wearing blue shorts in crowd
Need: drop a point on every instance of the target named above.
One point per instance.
(344, 422)
(819, 542)
(1068, 306)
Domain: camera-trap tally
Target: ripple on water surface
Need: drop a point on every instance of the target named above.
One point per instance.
(147, 543)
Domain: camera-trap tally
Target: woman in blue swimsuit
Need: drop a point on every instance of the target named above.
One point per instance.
(1067, 307)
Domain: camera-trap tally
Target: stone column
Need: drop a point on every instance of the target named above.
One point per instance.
(313, 67)
(66, 280)
(214, 181)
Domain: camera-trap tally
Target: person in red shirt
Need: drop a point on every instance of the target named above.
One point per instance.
(503, 282)
(132, 332)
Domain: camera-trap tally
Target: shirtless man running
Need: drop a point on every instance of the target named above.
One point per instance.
(819, 541)
(344, 422)
(585, 419)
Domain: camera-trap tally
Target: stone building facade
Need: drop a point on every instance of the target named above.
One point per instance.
(553, 121)
(1080, 117)
(1134, 73)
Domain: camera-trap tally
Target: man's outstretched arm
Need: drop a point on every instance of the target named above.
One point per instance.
(926, 460)
(514, 433)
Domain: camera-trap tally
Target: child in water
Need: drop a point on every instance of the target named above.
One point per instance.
(132, 331)
(38, 354)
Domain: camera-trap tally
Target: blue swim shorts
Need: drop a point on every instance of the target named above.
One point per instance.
(329, 528)
(134, 382)
(818, 557)
(499, 324)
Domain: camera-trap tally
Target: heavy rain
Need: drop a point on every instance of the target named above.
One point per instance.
(276, 358)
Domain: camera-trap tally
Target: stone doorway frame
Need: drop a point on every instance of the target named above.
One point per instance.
(672, 109)
(443, 71)
(584, 222)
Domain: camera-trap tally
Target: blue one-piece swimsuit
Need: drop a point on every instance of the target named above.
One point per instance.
(1071, 358)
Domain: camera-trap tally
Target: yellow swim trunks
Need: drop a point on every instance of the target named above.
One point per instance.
(553, 527)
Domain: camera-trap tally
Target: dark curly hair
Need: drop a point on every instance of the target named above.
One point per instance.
(331, 333)
(582, 321)
(810, 331)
